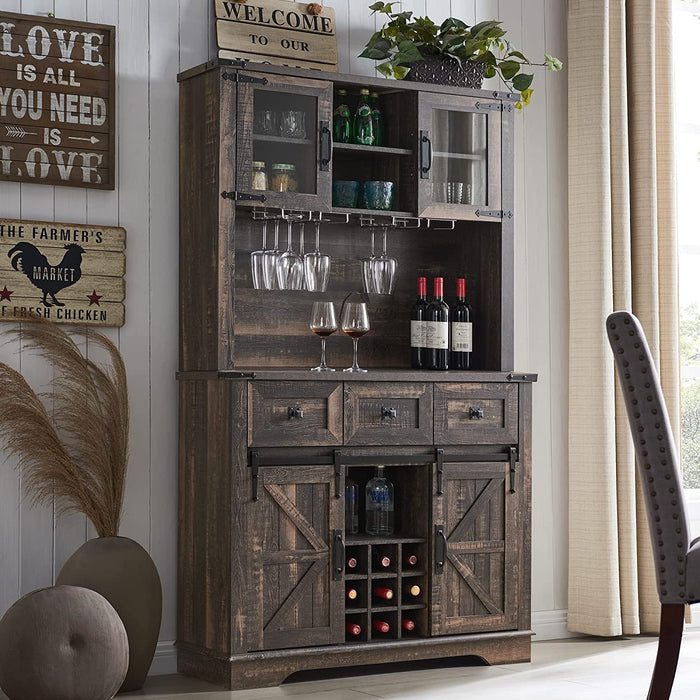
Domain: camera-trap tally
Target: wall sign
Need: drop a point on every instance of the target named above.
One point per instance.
(67, 273)
(56, 101)
(277, 32)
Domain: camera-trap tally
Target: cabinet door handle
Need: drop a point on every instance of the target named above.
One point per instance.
(295, 412)
(338, 555)
(388, 413)
(440, 548)
(426, 155)
(476, 413)
(326, 146)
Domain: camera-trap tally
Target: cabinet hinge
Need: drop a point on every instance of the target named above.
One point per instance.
(512, 458)
(244, 196)
(521, 377)
(491, 106)
(338, 468)
(244, 78)
(439, 456)
(494, 213)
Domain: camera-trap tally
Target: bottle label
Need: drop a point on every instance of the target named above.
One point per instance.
(418, 334)
(436, 334)
(461, 337)
(379, 496)
(364, 111)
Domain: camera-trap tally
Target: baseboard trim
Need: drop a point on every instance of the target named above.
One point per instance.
(550, 624)
(165, 660)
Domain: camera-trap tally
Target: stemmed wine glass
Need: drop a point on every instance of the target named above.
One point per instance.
(384, 270)
(354, 322)
(317, 266)
(270, 261)
(257, 258)
(323, 324)
(368, 285)
(290, 266)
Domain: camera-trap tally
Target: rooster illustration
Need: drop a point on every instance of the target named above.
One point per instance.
(50, 279)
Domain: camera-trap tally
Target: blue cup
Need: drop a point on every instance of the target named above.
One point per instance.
(345, 193)
(378, 194)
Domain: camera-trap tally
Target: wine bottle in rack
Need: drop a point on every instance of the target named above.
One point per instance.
(351, 593)
(410, 560)
(411, 590)
(408, 624)
(351, 563)
(381, 626)
(382, 561)
(353, 629)
(437, 329)
(382, 592)
(418, 317)
(461, 329)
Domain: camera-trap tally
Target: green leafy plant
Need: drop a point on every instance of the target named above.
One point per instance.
(405, 39)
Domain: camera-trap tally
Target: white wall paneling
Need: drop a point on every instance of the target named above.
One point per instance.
(156, 39)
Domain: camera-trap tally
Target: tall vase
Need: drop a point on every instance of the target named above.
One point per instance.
(123, 572)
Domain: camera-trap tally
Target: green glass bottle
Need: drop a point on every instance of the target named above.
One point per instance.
(362, 125)
(377, 120)
(342, 119)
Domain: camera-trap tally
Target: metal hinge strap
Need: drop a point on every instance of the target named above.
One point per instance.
(338, 466)
(255, 470)
(494, 213)
(513, 458)
(491, 106)
(243, 78)
(439, 456)
(243, 196)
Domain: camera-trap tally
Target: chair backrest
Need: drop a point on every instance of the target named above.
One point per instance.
(657, 459)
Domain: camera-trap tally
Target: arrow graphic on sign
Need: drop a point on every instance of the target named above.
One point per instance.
(93, 140)
(19, 132)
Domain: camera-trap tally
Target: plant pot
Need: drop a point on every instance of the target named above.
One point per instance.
(445, 70)
(123, 572)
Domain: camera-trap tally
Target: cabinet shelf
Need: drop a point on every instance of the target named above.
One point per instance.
(282, 139)
(372, 212)
(413, 606)
(352, 540)
(457, 156)
(372, 150)
(412, 572)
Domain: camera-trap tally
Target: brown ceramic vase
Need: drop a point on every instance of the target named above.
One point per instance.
(123, 572)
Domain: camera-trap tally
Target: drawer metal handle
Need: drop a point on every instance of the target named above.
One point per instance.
(476, 413)
(388, 413)
(295, 412)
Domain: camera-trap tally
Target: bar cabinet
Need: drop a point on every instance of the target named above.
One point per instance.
(265, 563)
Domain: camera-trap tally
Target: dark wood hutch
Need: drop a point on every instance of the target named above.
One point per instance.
(266, 445)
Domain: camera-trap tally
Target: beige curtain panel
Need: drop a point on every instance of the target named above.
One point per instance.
(622, 255)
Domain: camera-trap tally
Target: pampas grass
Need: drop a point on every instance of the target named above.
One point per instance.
(79, 453)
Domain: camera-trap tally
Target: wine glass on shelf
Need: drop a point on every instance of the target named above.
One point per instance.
(290, 266)
(317, 266)
(323, 324)
(257, 260)
(354, 321)
(270, 261)
(384, 270)
(368, 285)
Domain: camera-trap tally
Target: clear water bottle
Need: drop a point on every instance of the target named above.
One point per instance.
(379, 505)
(352, 511)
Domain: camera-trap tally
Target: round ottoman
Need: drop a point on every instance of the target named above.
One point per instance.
(62, 643)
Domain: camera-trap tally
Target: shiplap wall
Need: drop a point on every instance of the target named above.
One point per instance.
(157, 39)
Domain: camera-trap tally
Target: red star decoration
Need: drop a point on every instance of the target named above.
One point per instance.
(5, 294)
(94, 298)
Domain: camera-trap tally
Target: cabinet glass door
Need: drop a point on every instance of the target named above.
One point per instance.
(284, 140)
(459, 164)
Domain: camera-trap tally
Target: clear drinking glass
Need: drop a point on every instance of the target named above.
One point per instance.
(323, 324)
(290, 266)
(317, 266)
(354, 321)
(257, 258)
(270, 261)
(367, 269)
(384, 270)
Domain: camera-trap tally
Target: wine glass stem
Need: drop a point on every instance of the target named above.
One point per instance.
(323, 353)
(318, 235)
(354, 354)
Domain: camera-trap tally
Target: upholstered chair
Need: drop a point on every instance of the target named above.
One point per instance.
(676, 558)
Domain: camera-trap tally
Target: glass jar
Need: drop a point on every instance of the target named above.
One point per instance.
(284, 177)
(259, 176)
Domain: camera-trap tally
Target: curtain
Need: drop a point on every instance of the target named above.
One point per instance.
(622, 255)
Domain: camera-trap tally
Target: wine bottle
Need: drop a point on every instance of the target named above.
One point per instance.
(377, 119)
(379, 505)
(342, 119)
(351, 563)
(418, 316)
(353, 629)
(381, 626)
(461, 329)
(408, 625)
(385, 593)
(352, 594)
(352, 518)
(410, 560)
(437, 327)
(362, 125)
(382, 562)
(412, 591)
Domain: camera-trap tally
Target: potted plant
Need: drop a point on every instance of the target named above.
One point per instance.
(77, 454)
(451, 54)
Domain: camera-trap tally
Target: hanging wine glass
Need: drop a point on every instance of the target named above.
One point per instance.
(323, 324)
(384, 270)
(257, 258)
(301, 253)
(270, 261)
(317, 266)
(354, 321)
(368, 270)
(290, 266)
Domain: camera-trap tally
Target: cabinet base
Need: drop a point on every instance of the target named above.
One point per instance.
(269, 668)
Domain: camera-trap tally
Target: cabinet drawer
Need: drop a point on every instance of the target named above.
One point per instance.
(388, 414)
(295, 413)
(476, 414)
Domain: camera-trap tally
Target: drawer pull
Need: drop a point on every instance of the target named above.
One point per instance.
(388, 413)
(476, 413)
(295, 412)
